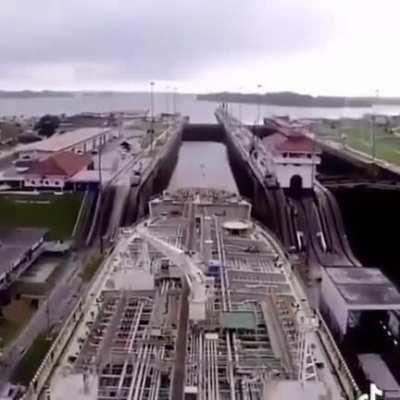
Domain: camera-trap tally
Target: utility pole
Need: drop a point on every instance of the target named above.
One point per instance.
(167, 99)
(240, 108)
(259, 86)
(151, 130)
(48, 314)
(374, 129)
(174, 99)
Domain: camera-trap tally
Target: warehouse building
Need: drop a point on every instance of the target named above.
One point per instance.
(79, 141)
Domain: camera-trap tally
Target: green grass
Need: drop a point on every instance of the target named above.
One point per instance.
(57, 213)
(359, 137)
(8, 331)
(91, 268)
(387, 146)
(31, 361)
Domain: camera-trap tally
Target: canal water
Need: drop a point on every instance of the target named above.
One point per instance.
(202, 165)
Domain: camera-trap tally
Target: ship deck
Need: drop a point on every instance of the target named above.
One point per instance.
(138, 340)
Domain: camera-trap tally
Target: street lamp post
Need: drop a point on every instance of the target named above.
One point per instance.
(259, 86)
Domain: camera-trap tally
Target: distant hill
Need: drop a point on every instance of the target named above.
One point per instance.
(27, 94)
(291, 99)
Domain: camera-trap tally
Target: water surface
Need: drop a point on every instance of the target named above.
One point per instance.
(199, 111)
(203, 164)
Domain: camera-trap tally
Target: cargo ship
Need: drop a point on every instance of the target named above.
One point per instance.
(196, 301)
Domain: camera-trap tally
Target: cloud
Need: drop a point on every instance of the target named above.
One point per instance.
(318, 46)
(112, 42)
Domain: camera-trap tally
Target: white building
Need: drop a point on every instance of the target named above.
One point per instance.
(349, 291)
(292, 157)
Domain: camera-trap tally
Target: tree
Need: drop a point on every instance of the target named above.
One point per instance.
(47, 125)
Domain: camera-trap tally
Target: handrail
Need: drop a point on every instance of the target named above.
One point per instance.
(340, 365)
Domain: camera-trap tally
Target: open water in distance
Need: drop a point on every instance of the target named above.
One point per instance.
(202, 165)
(199, 111)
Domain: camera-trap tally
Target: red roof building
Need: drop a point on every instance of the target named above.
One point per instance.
(65, 164)
(280, 143)
(55, 170)
(291, 156)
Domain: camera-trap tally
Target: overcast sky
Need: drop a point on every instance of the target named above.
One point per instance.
(344, 47)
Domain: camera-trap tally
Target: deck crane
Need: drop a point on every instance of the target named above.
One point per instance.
(187, 264)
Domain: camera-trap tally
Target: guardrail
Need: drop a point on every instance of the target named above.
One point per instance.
(343, 372)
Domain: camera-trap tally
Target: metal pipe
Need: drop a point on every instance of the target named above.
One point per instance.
(201, 366)
(225, 273)
(134, 374)
(230, 366)
(140, 374)
(209, 371)
(222, 277)
(152, 389)
(146, 371)
(196, 359)
(135, 329)
(215, 364)
(155, 388)
(211, 368)
(236, 348)
(122, 377)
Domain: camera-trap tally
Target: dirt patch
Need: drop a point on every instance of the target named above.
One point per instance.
(14, 317)
(18, 311)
